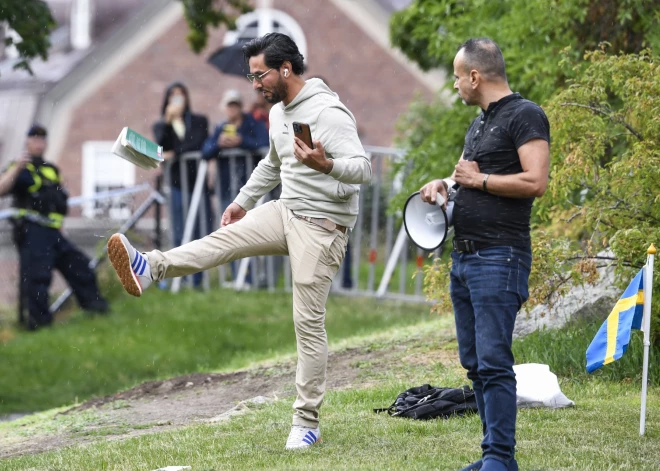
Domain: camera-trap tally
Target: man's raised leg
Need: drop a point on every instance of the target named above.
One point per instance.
(260, 232)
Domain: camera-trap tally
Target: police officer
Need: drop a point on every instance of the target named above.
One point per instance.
(42, 204)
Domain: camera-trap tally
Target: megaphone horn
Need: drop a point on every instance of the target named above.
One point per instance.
(426, 224)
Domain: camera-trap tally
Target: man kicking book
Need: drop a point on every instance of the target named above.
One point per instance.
(310, 222)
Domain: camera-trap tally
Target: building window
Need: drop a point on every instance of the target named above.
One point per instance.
(266, 20)
(102, 171)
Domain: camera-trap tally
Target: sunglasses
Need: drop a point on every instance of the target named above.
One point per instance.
(258, 78)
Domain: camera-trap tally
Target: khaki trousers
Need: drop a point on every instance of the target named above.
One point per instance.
(315, 254)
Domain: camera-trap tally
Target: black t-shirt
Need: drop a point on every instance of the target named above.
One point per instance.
(492, 140)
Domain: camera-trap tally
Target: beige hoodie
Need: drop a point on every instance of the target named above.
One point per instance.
(305, 191)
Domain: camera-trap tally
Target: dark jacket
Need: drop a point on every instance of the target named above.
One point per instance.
(197, 130)
(254, 136)
(38, 193)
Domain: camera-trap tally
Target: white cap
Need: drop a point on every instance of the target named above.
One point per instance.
(232, 96)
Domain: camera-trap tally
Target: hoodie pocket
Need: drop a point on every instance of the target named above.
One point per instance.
(346, 190)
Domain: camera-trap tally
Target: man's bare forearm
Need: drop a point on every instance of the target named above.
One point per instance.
(8, 180)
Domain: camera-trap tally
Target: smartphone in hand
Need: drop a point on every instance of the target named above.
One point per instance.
(302, 132)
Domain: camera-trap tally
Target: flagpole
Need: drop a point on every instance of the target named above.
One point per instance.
(648, 291)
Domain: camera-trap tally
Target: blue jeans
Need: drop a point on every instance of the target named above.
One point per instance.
(178, 224)
(488, 288)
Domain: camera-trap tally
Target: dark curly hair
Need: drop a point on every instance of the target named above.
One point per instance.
(276, 48)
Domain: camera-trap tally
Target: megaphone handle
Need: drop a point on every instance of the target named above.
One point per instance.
(439, 199)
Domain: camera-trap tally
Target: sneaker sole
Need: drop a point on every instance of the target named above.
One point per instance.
(121, 262)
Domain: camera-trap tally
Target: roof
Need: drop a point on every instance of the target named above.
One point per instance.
(107, 17)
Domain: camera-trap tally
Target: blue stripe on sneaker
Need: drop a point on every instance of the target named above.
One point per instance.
(141, 266)
(135, 263)
(139, 263)
(308, 441)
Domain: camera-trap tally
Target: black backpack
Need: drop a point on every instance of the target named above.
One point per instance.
(428, 402)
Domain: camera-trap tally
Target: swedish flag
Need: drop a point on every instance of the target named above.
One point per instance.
(613, 337)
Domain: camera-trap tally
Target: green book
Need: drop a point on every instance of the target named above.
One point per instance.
(137, 149)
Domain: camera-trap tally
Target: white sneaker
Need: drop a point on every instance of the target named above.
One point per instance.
(302, 437)
(131, 266)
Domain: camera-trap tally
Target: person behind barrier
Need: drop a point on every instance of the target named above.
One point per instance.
(41, 201)
(260, 109)
(309, 223)
(239, 131)
(504, 166)
(179, 131)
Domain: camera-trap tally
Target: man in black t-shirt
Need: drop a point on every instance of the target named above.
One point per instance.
(504, 166)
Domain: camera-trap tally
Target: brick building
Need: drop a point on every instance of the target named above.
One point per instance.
(111, 62)
(120, 82)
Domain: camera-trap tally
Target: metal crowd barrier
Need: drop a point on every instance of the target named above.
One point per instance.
(378, 244)
(154, 198)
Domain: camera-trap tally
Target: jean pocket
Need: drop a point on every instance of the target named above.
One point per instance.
(495, 254)
(523, 281)
(524, 257)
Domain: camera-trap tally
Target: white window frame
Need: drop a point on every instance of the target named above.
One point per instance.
(265, 17)
(123, 176)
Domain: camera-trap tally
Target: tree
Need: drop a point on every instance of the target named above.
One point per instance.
(603, 111)
(531, 33)
(603, 191)
(202, 14)
(606, 159)
(33, 21)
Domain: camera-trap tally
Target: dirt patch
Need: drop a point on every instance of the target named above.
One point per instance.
(162, 405)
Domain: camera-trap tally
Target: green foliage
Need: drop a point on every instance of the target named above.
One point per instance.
(202, 14)
(603, 111)
(430, 32)
(606, 156)
(531, 33)
(32, 20)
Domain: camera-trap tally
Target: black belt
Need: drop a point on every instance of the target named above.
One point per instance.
(471, 246)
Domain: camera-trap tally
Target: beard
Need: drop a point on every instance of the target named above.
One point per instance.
(467, 100)
(277, 94)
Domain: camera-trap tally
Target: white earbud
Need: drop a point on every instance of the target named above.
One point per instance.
(286, 72)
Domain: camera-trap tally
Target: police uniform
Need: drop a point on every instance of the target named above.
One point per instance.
(42, 204)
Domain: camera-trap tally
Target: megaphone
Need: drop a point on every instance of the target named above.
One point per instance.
(427, 225)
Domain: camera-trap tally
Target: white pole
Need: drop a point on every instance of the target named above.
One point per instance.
(399, 245)
(648, 292)
(192, 212)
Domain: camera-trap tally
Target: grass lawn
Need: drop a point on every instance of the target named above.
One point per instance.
(162, 335)
(600, 433)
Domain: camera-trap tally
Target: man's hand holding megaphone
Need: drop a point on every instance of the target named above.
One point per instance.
(466, 173)
(431, 190)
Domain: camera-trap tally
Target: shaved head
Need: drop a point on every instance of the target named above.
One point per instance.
(485, 56)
